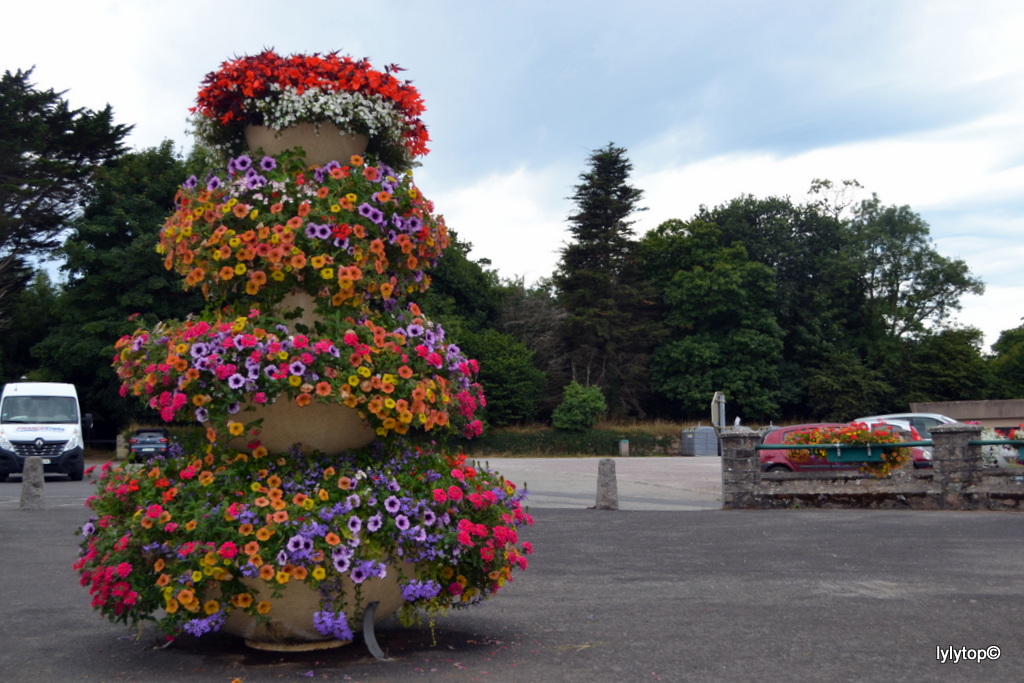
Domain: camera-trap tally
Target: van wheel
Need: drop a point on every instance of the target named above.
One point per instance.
(78, 474)
(778, 468)
(3, 477)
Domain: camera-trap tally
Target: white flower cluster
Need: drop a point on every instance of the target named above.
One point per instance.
(372, 115)
(995, 455)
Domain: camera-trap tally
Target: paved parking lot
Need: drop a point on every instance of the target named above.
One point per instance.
(646, 593)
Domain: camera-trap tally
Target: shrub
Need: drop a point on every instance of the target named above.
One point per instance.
(580, 408)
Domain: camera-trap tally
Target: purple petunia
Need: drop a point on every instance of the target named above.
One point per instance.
(392, 504)
(374, 523)
(240, 164)
(332, 624)
(372, 213)
(355, 524)
(420, 590)
(236, 381)
(268, 163)
(359, 574)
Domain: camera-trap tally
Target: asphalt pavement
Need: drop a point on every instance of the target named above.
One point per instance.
(667, 588)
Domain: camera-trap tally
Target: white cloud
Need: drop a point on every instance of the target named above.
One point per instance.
(516, 219)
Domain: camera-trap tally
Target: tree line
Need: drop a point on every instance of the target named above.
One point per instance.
(825, 308)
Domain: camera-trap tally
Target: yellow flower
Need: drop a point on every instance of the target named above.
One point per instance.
(294, 380)
(263, 607)
(363, 370)
(319, 573)
(353, 380)
(197, 576)
(327, 273)
(236, 428)
(240, 269)
(211, 607)
(282, 577)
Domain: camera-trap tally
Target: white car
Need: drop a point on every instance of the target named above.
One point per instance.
(922, 422)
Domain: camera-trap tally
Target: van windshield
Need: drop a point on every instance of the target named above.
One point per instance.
(39, 410)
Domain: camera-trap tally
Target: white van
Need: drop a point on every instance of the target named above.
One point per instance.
(42, 419)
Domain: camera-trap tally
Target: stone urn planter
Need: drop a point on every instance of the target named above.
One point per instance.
(322, 142)
(291, 626)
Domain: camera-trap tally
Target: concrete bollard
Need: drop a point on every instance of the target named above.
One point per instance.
(32, 485)
(607, 488)
(624, 448)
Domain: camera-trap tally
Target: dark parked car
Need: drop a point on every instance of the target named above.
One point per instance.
(779, 461)
(148, 443)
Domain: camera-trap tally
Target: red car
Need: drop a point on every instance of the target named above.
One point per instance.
(778, 460)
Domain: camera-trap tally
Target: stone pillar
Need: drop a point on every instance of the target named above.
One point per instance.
(956, 464)
(32, 484)
(741, 467)
(607, 486)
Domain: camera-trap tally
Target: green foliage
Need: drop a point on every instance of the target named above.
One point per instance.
(462, 292)
(32, 316)
(512, 383)
(946, 366)
(607, 331)
(908, 284)
(722, 332)
(580, 409)
(1008, 364)
(533, 317)
(48, 152)
(114, 272)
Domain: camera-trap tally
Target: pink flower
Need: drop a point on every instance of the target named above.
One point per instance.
(228, 550)
(440, 496)
(455, 493)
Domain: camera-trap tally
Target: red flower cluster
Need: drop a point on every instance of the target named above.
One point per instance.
(224, 91)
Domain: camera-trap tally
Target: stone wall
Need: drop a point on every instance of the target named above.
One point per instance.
(956, 482)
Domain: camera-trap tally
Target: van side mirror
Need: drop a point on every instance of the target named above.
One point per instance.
(87, 421)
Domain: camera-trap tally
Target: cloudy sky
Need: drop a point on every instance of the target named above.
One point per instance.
(921, 101)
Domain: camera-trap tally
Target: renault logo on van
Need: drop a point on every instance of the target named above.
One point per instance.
(39, 444)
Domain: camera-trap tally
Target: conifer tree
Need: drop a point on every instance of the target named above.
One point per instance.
(598, 285)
